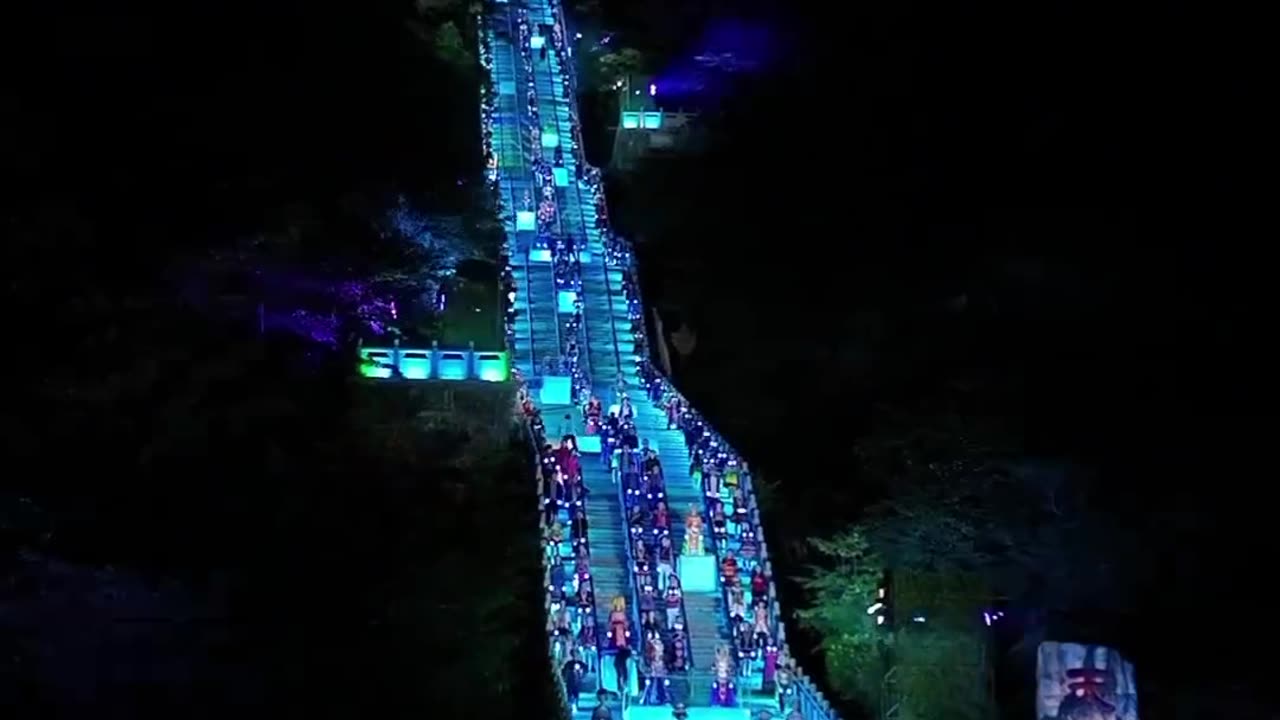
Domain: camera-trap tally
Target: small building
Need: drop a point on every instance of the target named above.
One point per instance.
(645, 128)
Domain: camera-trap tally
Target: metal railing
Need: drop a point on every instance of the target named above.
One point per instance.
(608, 291)
(631, 560)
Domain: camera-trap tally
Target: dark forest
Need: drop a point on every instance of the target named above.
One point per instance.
(954, 236)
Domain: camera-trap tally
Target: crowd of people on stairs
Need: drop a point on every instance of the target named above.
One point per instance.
(756, 655)
(570, 600)
(565, 255)
(637, 471)
(755, 659)
(563, 247)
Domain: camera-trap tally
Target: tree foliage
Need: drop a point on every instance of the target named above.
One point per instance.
(941, 656)
(615, 67)
(841, 588)
(451, 48)
(932, 663)
(963, 496)
(369, 549)
(966, 516)
(427, 7)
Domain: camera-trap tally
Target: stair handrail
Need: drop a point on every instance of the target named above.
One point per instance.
(489, 108)
(690, 665)
(719, 556)
(676, 552)
(537, 442)
(608, 292)
(630, 558)
(584, 340)
(580, 156)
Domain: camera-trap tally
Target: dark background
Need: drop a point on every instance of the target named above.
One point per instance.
(1051, 207)
(1034, 215)
(197, 520)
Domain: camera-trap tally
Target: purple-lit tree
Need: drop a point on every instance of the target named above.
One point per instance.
(325, 279)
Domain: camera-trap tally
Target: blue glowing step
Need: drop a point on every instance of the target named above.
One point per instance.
(606, 535)
(705, 630)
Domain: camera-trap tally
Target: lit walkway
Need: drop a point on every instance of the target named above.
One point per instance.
(540, 335)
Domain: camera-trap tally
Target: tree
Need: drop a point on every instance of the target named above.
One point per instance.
(940, 655)
(961, 496)
(615, 67)
(931, 663)
(450, 47)
(426, 7)
(841, 588)
(589, 9)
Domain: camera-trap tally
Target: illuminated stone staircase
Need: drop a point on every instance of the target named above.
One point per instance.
(610, 350)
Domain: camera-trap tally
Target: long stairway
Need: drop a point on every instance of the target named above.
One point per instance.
(606, 321)
(611, 350)
(610, 347)
(538, 321)
(605, 516)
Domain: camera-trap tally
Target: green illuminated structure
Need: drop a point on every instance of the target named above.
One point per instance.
(644, 128)
(435, 363)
